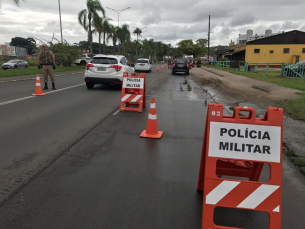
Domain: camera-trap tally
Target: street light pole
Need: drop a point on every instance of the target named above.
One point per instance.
(118, 12)
(60, 21)
(155, 49)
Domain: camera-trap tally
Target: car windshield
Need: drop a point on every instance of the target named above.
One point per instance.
(13, 61)
(181, 61)
(104, 60)
(142, 61)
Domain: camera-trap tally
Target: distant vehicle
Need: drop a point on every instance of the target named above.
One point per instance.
(83, 59)
(143, 65)
(293, 69)
(13, 64)
(180, 65)
(106, 69)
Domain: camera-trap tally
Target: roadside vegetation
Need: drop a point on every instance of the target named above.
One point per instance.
(33, 70)
(295, 108)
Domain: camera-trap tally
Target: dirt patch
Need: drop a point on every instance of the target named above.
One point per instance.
(242, 88)
(231, 90)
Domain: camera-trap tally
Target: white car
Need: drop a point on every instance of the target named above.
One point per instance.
(83, 59)
(106, 69)
(143, 65)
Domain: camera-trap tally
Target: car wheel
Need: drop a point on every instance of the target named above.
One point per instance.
(149, 70)
(26, 66)
(89, 85)
(173, 73)
(4, 68)
(15, 67)
(187, 72)
(83, 62)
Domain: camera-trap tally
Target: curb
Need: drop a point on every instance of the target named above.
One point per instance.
(208, 70)
(34, 77)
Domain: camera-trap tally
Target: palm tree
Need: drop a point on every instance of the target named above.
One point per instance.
(102, 26)
(113, 36)
(91, 13)
(138, 32)
(123, 34)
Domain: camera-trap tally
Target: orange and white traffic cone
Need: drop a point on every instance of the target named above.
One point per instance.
(162, 67)
(152, 123)
(38, 91)
(158, 69)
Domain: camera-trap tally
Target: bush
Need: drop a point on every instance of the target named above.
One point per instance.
(65, 54)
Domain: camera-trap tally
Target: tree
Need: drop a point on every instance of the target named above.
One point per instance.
(189, 48)
(91, 13)
(29, 44)
(17, 2)
(137, 32)
(123, 34)
(113, 36)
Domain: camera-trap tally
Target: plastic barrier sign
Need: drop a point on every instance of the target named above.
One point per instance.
(246, 142)
(133, 83)
(239, 146)
(133, 96)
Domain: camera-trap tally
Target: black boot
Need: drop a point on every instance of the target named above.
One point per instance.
(45, 86)
(53, 86)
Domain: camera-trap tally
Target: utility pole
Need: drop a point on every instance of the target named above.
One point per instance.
(209, 42)
(60, 21)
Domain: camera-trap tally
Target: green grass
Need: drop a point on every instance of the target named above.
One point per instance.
(295, 108)
(33, 70)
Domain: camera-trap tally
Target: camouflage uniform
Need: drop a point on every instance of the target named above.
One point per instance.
(169, 64)
(46, 60)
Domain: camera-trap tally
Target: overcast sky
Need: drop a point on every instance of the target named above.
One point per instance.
(171, 20)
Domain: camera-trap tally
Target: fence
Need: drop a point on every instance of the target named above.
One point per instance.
(248, 66)
(295, 70)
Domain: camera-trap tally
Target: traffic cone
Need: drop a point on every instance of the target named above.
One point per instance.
(38, 91)
(158, 69)
(152, 124)
(162, 67)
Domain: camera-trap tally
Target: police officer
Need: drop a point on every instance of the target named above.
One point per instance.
(169, 64)
(46, 61)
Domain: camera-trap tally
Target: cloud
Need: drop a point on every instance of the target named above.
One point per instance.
(173, 20)
(288, 25)
(242, 19)
(152, 14)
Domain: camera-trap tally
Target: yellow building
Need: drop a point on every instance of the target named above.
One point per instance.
(286, 47)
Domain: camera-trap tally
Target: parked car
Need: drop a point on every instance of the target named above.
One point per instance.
(13, 64)
(106, 69)
(180, 65)
(293, 69)
(143, 65)
(83, 59)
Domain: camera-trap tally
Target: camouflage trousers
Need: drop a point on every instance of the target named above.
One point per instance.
(48, 72)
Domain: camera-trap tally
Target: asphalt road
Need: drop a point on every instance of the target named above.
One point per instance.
(106, 176)
(35, 131)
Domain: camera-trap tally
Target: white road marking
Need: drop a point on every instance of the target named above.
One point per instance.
(115, 113)
(151, 82)
(29, 97)
(66, 88)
